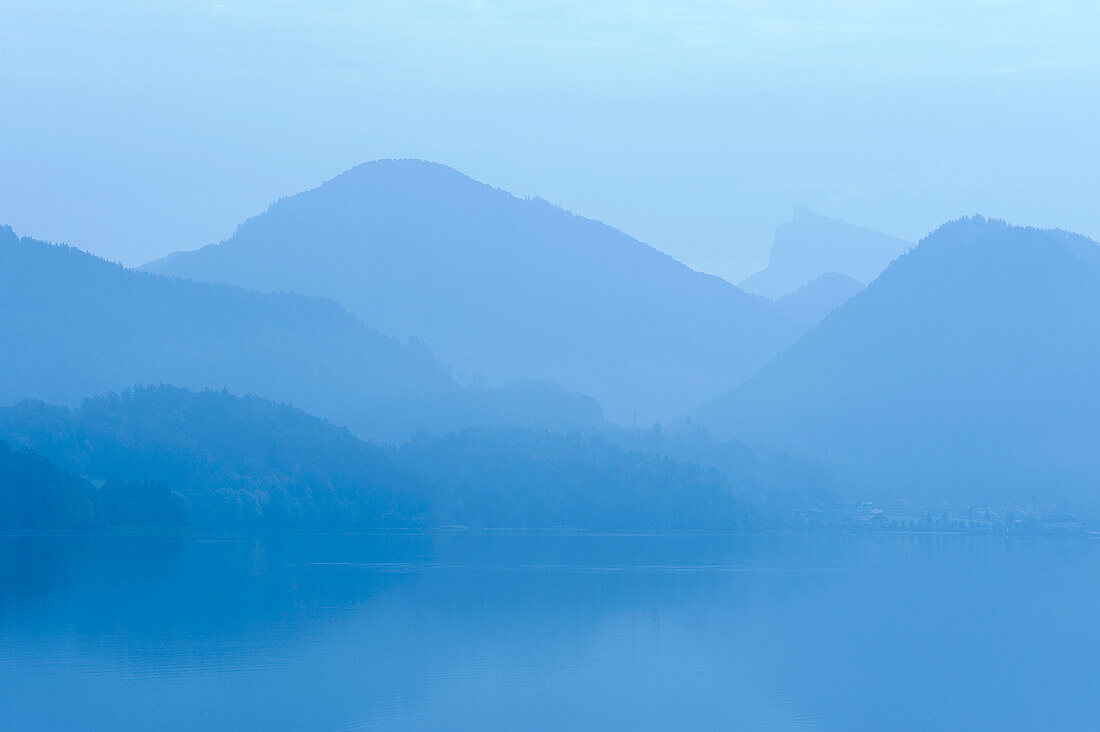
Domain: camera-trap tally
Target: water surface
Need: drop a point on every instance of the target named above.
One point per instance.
(547, 631)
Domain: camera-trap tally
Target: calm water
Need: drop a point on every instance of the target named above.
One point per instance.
(548, 632)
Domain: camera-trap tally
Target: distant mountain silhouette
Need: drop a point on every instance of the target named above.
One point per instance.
(810, 303)
(966, 372)
(811, 245)
(75, 325)
(504, 287)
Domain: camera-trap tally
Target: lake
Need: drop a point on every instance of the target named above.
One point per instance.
(548, 631)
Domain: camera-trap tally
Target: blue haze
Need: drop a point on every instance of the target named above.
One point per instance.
(360, 431)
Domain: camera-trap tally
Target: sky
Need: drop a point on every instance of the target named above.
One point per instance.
(132, 129)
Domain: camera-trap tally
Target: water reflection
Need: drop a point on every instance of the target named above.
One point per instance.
(428, 631)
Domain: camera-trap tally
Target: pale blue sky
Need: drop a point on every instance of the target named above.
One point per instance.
(136, 128)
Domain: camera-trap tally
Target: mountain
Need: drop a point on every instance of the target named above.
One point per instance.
(75, 325)
(236, 460)
(522, 479)
(36, 495)
(810, 245)
(246, 461)
(503, 287)
(810, 303)
(965, 373)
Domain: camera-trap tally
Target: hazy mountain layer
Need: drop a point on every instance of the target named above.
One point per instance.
(236, 460)
(75, 325)
(966, 371)
(248, 461)
(811, 245)
(503, 287)
(810, 303)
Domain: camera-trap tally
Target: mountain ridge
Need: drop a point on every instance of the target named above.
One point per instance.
(811, 245)
(810, 303)
(507, 287)
(247, 461)
(965, 370)
(76, 325)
